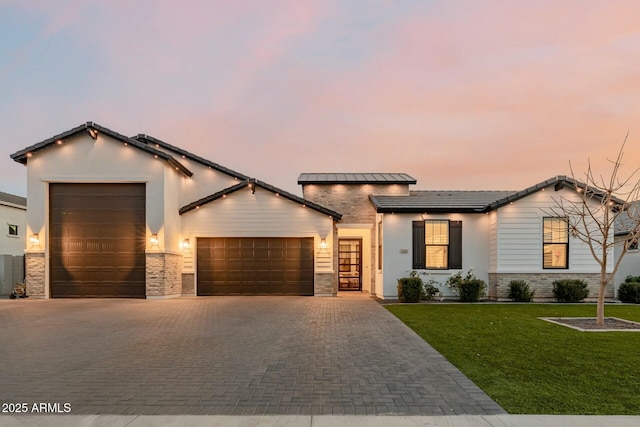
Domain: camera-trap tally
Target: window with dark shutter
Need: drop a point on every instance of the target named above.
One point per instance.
(455, 245)
(437, 245)
(419, 248)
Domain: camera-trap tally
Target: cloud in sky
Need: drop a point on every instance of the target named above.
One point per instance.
(459, 94)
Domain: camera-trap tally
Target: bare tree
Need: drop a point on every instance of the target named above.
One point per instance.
(602, 204)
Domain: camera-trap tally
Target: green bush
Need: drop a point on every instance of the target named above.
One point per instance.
(469, 288)
(629, 292)
(410, 289)
(520, 291)
(570, 290)
(429, 290)
(632, 279)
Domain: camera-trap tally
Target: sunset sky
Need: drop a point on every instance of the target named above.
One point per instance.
(462, 95)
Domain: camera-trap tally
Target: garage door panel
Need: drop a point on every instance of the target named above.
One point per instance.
(97, 240)
(259, 266)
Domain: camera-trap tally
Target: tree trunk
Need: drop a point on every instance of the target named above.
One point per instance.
(603, 287)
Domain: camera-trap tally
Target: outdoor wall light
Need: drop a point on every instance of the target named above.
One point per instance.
(34, 239)
(323, 243)
(154, 239)
(93, 133)
(186, 244)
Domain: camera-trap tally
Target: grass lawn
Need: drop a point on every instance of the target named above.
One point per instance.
(530, 366)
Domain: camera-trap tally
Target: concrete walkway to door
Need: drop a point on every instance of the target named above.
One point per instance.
(226, 356)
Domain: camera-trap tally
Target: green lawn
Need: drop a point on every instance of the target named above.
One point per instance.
(530, 366)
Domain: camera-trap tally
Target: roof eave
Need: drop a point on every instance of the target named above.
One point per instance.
(191, 156)
(22, 155)
(254, 182)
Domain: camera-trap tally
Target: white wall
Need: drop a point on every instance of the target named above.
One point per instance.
(629, 266)
(519, 236)
(262, 214)
(398, 249)
(14, 215)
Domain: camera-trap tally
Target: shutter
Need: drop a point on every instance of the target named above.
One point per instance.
(455, 245)
(419, 249)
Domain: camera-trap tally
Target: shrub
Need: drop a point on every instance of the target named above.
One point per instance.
(469, 288)
(410, 289)
(429, 290)
(632, 279)
(629, 292)
(520, 291)
(570, 290)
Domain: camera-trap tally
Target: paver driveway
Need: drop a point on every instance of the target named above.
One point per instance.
(226, 355)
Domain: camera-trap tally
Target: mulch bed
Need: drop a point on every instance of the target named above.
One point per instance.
(589, 323)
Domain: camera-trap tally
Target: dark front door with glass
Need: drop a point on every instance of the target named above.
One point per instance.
(350, 256)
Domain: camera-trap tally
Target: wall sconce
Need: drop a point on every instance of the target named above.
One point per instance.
(185, 244)
(34, 239)
(323, 243)
(154, 239)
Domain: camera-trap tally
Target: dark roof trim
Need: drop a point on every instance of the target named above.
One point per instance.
(254, 182)
(559, 182)
(374, 178)
(185, 154)
(417, 209)
(22, 155)
(12, 199)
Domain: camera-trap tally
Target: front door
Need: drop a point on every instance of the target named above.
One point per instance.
(350, 256)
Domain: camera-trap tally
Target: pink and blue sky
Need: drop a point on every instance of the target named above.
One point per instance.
(490, 94)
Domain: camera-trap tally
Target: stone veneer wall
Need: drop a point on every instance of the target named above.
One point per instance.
(325, 284)
(543, 284)
(163, 275)
(188, 284)
(35, 274)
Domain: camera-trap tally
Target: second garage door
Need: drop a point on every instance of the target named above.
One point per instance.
(255, 266)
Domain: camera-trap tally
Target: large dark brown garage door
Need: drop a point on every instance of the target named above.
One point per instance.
(97, 240)
(255, 266)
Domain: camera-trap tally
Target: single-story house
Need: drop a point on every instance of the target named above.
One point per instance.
(117, 216)
(13, 218)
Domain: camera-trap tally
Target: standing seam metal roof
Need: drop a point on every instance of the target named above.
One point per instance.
(355, 178)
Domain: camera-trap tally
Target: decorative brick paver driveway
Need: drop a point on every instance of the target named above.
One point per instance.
(226, 355)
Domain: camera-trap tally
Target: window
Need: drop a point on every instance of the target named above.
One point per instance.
(555, 246)
(13, 230)
(633, 245)
(380, 245)
(437, 244)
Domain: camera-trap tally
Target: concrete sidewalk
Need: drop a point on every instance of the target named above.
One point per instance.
(321, 421)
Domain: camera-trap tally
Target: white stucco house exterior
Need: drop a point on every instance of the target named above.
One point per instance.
(499, 235)
(117, 216)
(13, 220)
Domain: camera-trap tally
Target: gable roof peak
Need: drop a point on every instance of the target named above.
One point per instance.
(95, 130)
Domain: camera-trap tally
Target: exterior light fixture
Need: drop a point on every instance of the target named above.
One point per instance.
(323, 243)
(59, 142)
(186, 244)
(29, 154)
(93, 133)
(154, 239)
(34, 239)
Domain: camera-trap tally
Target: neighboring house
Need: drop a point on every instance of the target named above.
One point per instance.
(630, 264)
(499, 235)
(114, 216)
(13, 220)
